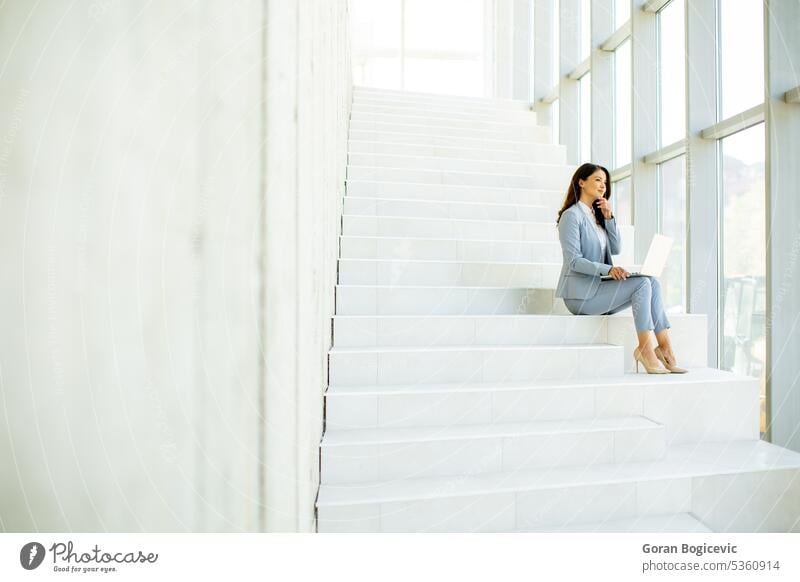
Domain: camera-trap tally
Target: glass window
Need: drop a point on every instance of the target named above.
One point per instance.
(444, 76)
(379, 72)
(622, 12)
(427, 26)
(744, 256)
(375, 33)
(429, 60)
(586, 27)
(742, 55)
(586, 118)
(672, 191)
(622, 104)
(672, 73)
(621, 201)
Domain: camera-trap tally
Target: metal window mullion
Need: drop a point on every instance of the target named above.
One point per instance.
(660, 198)
(643, 133)
(583, 67)
(666, 153)
(569, 90)
(720, 202)
(601, 135)
(619, 36)
(782, 126)
(655, 5)
(621, 173)
(702, 167)
(735, 123)
(545, 86)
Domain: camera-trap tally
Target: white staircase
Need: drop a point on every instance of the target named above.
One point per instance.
(463, 397)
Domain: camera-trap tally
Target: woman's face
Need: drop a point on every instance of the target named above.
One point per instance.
(595, 185)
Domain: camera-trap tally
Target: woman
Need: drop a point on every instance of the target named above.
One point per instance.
(588, 234)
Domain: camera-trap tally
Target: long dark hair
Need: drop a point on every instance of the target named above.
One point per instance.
(574, 190)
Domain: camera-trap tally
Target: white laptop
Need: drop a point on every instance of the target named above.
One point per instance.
(655, 261)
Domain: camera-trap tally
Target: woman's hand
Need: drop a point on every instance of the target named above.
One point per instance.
(604, 206)
(618, 273)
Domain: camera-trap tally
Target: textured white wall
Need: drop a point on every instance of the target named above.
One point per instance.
(308, 99)
(137, 151)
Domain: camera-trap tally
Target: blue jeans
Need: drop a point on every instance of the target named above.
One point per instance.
(643, 294)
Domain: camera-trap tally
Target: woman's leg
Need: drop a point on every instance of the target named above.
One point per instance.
(657, 311)
(659, 315)
(612, 296)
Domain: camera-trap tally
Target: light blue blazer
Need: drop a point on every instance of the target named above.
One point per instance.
(583, 260)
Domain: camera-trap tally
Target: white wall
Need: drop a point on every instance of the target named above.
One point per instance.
(143, 235)
(308, 97)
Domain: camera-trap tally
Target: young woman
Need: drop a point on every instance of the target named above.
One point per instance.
(588, 234)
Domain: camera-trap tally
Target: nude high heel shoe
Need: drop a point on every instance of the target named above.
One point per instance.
(667, 365)
(637, 355)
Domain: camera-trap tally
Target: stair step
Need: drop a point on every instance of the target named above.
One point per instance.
(444, 300)
(548, 176)
(475, 363)
(449, 228)
(425, 331)
(470, 165)
(458, 228)
(530, 134)
(385, 248)
(454, 101)
(502, 329)
(668, 523)
(704, 405)
(397, 133)
(742, 486)
(454, 193)
(416, 272)
(367, 206)
(350, 456)
(417, 162)
(439, 119)
(483, 251)
(442, 111)
(542, 153)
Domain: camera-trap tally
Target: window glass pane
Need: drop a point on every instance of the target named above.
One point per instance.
(444, 76)
(622, 104)
(742, 55)
(621, 201)
(430, 61)
(672, 189)
(586, 118)
(672, 76)
(744, 255)
(383, 73)
(586, 27)
(375, 34)
(622, 12)
(429, 27)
